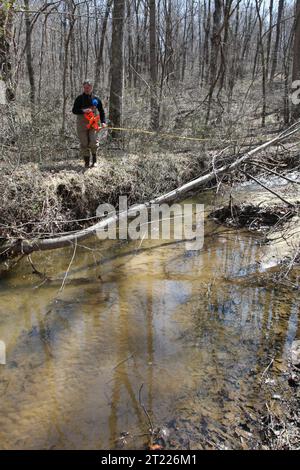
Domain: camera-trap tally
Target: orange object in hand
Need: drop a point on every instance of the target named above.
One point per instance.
(93, 121)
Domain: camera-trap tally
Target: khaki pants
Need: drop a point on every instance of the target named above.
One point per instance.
(87, 137)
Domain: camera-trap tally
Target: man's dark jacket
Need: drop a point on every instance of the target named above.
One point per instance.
(84, 101)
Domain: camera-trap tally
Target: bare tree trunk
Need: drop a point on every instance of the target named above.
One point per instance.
(200, 58)
(71, 9)
(30, 69)
(215, 48)
(286, 94)
(144, 51)
(130, 33)
(41, 60)
(81, 53)
(87, 38)
(99, 62)
(117, 64)
(215, 40)
(206, 27)
(154, 118)
(137, 43)
(192, 35)
(224, 48)
(184, 42)
(276, 46)
(247, 38)
(6, 16)
(169, 53)
(296, 55)
(269, 36)
(235, 59)
(263, 63)
(73, 62)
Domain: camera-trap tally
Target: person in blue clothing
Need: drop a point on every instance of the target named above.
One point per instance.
(85, 103)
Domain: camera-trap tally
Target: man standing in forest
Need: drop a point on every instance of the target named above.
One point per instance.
(84, 105)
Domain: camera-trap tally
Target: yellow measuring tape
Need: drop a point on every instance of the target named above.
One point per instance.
(142, 131)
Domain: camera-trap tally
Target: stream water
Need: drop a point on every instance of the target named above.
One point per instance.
(180, 333)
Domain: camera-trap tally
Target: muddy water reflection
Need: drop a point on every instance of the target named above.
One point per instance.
(176, 321)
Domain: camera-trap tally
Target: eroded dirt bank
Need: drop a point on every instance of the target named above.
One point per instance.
(41, 201)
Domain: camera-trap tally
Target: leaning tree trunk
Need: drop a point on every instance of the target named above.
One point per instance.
(117, 65)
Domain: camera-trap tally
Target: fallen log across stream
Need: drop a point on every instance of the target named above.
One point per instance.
(14, 248)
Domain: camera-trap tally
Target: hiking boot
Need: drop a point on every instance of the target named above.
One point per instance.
(94, 161)
(86, 161)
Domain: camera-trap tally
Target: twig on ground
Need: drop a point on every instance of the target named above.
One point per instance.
(122, 362)
(70, 264)
(151, 429)
(290, 204)
(266, 369)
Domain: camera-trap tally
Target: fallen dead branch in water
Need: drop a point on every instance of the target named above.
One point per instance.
(267, 368)
(122, 362)
(273, 172)
(151, 427)
(252, 216)
(288, 203)
(41, 275)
